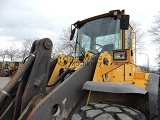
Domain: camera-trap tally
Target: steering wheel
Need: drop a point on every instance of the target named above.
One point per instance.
(100, 46)
(94, 50)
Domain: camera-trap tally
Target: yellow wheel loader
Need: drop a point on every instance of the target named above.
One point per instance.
(9, 68)
(102, 81)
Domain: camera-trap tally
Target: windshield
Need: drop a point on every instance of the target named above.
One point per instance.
(101, 34)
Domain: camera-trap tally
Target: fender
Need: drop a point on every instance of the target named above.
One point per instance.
(113, 88)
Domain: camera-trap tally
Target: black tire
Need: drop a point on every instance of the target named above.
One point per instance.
(105, 111)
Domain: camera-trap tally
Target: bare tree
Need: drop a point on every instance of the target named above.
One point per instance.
(139, 35)
(25, 49)
(12, 52)
(57, 48)
(28, 43)
(66, 44)
(3, 54)
(23, 53)
(154, 32)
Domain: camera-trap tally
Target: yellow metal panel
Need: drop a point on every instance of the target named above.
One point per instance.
(139, 76)
(63, 62)
(119, 72)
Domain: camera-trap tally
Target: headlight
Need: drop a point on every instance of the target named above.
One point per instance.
(119, 55)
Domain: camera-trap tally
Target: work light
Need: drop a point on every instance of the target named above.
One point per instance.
(119, 55)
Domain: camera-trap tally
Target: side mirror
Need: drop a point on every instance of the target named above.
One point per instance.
(124, 22)
(72, 33)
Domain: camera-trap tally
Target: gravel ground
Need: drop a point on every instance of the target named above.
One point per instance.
(3, 81)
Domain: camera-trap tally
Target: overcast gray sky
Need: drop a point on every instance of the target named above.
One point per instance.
(25, 19)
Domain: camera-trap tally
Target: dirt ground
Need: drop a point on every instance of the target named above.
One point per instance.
(4, 81)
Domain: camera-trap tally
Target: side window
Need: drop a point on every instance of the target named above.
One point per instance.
(83, 43)
(86, 42)
(128, 42)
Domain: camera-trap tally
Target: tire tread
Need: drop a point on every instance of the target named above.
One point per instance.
(103, 111)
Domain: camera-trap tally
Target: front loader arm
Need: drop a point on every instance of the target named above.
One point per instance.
(65, 99)
(28, 84)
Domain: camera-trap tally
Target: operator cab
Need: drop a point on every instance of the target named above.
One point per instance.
(100, 33)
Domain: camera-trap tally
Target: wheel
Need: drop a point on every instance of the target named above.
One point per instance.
(106, 111)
